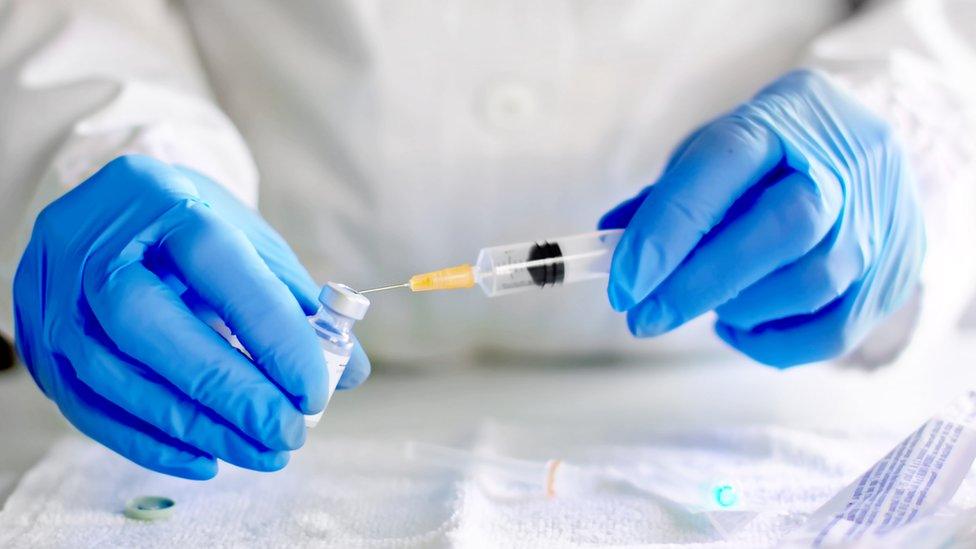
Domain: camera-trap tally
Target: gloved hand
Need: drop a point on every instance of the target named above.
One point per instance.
(122, 355)
(794, 217)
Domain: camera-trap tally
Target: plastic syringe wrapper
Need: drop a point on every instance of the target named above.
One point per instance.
(912, 483)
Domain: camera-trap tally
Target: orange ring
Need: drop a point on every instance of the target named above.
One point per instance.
(551, 467)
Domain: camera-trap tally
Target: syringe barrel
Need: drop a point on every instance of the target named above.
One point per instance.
(527, 265)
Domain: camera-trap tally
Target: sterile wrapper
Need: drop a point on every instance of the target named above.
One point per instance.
(912, 482)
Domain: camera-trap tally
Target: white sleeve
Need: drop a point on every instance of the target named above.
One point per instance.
(84, 81)
(914, 63)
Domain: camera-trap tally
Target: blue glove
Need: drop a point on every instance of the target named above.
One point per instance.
(122, 355)
(794, 217)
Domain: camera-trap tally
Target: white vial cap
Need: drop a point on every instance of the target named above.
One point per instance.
(344, 300)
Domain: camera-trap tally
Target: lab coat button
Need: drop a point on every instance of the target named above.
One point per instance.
(510, 105)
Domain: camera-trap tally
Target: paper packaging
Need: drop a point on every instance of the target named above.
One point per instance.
(915, 479)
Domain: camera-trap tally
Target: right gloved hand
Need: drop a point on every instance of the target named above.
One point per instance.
(122, 355)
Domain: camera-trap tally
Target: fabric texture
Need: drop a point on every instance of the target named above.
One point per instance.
(347, 492)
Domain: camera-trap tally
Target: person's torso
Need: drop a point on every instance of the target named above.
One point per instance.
(399, 137)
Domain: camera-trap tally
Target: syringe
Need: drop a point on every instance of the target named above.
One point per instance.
(523, 266)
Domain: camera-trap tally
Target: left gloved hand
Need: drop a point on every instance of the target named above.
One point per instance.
(277, 255)
(108, 322)
(794, 217)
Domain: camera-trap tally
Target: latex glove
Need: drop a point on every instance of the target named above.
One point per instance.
(794, 217)
(124, 358)
(280, 259)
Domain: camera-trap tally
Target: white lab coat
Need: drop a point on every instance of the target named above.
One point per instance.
(385, 138)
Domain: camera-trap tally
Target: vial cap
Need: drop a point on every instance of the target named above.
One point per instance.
(344, 300)
(149, 508)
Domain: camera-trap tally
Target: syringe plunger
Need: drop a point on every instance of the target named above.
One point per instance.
(516, 267)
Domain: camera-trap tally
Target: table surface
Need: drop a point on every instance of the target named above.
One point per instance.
(428, 402)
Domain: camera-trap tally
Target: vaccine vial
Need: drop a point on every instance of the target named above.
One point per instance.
(340, 308)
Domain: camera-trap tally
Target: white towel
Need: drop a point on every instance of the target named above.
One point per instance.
(361, 492)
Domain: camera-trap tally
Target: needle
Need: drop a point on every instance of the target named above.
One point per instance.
(384, 288)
